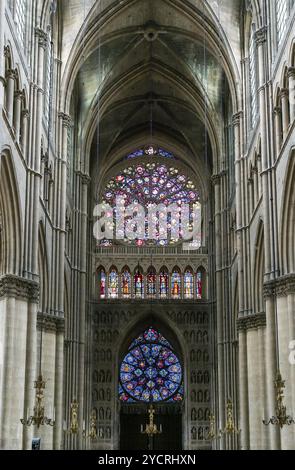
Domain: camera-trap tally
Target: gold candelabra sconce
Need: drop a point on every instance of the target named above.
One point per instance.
(150, 428)
(212, 429)
(38, 418)
(74, 423)
(230, 426)
(93, 427)
(281, 418)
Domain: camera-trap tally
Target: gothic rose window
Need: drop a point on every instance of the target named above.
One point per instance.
(149, 185)
(151, 371)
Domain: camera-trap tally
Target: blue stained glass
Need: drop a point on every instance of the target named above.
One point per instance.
(150, 372)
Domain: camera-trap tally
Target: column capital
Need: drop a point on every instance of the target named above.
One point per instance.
(284, 93)
(50, 323)
(25, 113)
(280, 287)
(19, 288)
(236, 119)
(251, 322)
(260, 35)
(66, 119)
(19, 95)
(42, 37)
(216, 179)
(291, 72)
(11, 74)
(85, 179)
(7, 52)
(277, 111)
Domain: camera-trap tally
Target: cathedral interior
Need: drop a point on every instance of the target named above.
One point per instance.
(166, 103)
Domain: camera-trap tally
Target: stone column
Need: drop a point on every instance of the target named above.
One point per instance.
(42, 44)
(285, 111)
(291, 76)
(24, 131)
(243, 388)
(221, 400)
(18, 96)
(59, 384)
(10, 80)
(31, 373)
(19, 360)
(271, 365)
(278, 129)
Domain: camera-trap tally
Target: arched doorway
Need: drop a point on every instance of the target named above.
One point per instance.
(151, 379)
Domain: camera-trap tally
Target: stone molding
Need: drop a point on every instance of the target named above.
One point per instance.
(50, 323)
(280, 287)
(252, 322)
(19, 288)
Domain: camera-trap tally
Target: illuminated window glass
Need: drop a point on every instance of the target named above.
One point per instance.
(20, 19)
(113, 284)
(176, 284)
(163, 283)
(149, 185)
(253, 77)
(282, 18)
(151, 371)
(138, 284)
(199, 283)
(102, 283)
(188, 284)
(126, 284)
(151, 282)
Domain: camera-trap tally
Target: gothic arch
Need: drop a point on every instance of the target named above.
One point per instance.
(11, 233)
(287, 222)
(43, 269)
(258, 274)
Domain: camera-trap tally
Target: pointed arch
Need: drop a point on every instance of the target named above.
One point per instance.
(258, 275)
(43, 269)
(287, 223)
(11, 224)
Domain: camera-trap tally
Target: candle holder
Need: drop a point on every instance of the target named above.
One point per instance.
(74, 424)
(151, 429)
(281, 418)
(38, 418)
(93, 436)
(230, 427)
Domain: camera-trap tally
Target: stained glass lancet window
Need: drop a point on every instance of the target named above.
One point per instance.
(151, 283)
(188, 284)
(163, 283)
(113, 284)
(138, 284)
(176, 284)
(102, 283)
(126, 283)
(200, 281)
(150, 371)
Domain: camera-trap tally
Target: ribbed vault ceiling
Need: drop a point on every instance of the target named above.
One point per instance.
(152, 72)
